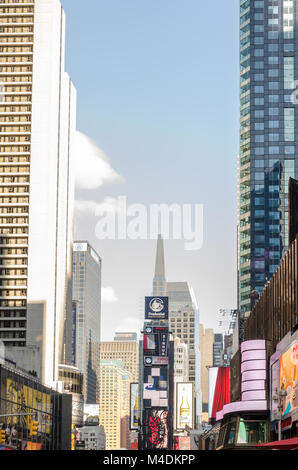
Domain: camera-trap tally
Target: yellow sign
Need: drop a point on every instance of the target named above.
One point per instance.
(24, 399)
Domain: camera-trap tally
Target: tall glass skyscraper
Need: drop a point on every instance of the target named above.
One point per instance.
(268, 139)
(87, 324)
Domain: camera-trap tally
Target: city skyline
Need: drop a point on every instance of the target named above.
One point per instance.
(133, 124)
(148, 233)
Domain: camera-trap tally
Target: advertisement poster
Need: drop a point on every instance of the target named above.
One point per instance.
(156, 308)
(134, 407)
(156, 422)
(289, 378)
(184, 406)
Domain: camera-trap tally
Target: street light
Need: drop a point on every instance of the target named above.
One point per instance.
(278, 398)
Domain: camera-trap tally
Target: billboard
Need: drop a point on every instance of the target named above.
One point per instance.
(184, 406)
(156, 308)
(155, 388)
(91, 410)
(156, 429)
(289, 378)
(183, 443)
(155, 345)
(134, 407)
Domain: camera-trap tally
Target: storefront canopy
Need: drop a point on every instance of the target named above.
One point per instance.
(287, 444)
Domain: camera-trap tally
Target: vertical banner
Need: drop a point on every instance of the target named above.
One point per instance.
(184, 406)
(134, 407)
(74, 332)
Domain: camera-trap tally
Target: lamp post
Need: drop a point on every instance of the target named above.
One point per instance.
(278, 398)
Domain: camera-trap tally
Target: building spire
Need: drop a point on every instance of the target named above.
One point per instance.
(159, 280)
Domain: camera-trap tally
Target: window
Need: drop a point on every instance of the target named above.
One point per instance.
(252, 432)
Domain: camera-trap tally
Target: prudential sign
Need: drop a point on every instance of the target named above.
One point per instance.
(156, 308)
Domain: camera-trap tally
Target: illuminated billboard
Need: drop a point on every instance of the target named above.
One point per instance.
(184, 406)
(289, 378)
(156, 308)
(155, 388)
(134, 407)
(155, 344)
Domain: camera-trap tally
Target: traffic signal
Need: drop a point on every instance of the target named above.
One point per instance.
(2, 436)
(33, 428)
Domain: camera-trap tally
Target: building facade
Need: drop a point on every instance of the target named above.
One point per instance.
(218, 348)
(126, 349)
(268, 139)
(24, 399)
(181, 362)
(93, 436)
(206, 352)
(87, 296)
(37, 126)
(183, 318)
(114, 405)
(71, 381)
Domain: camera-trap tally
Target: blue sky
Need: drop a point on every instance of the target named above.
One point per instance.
(157, 87)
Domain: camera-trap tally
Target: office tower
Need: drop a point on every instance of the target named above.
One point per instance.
(227, 320)
(184, 320)
(206, 350)
(159, 280)
(218, 347)
(183, 317)
(87, 295)
(268, 139)
(228, 325)
(92, 436)
(37, 125)
(125, 336)
(125, 348)
(114, 403)
(71, 381)
(181, 362)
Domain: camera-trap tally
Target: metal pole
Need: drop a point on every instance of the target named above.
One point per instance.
(279, 427)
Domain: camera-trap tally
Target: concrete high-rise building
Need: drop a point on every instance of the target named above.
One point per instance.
(159, 280)
(183, 318)
(181, 362)
(268, 139)
(37, 126)
(125, 348)
(125, 336)
(114, 403)
(87, 295)
(71, 381)
(93, 436)
(218, 348)
(206, 350)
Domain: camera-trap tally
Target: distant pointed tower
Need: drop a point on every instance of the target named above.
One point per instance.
(159, 280)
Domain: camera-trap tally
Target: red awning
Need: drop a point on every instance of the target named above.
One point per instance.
(222, 390)
(287, 444)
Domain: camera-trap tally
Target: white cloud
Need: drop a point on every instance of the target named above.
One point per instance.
(93, 168)
(109, 204)
(108, 294)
